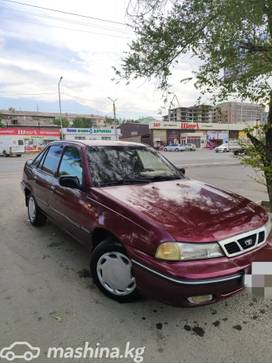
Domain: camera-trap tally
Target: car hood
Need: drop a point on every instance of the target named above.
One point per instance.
(190, 210)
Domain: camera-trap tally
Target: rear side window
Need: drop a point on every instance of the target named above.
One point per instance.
(51, 161)
(71, 163)
(38, 159)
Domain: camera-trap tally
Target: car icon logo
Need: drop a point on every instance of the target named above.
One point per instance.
(29, 352)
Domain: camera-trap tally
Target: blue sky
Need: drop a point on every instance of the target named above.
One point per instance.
(37, 47)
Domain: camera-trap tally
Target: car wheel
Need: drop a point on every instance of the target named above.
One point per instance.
(111, 269)
(28, 356)
(36, 217)
(165, 149)
(5, 154)
(176, 149)
(10, 356)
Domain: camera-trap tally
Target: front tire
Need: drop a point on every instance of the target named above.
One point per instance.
(111, 269)
(36, 217)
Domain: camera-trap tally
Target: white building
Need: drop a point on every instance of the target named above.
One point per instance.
(90, 134)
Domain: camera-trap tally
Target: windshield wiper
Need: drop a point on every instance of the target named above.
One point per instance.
(126, 181)
(165, 177)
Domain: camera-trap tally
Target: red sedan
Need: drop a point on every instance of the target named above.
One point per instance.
(149, 229)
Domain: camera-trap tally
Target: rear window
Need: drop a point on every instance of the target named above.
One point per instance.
(51, 161)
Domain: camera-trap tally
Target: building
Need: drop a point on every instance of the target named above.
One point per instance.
(199, 113)
(226, 112)
(199, 133)
(135, 133)
(12, 117)
(73, 133)
(35, 139)
(239, 112)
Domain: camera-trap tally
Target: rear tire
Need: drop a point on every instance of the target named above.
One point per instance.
(111, 271)
(36, 217)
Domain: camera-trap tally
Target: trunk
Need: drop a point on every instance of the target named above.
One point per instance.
(268, 153)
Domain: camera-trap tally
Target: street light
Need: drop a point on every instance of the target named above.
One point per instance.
(114, 114)
(60, 117)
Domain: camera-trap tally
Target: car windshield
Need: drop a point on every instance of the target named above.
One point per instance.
(116, 165)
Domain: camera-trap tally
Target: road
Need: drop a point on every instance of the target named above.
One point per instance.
(48, 299)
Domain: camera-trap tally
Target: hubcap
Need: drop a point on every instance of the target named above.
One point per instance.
(114, 273)
(31, 209)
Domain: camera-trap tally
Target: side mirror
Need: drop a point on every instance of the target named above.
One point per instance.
(69, 181)
(182, 170)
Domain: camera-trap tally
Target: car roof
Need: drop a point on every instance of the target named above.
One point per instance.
(101, 143)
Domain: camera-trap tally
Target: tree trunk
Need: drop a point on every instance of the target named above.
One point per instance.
(268, 153)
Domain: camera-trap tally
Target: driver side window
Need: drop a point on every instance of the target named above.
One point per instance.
(71, 163)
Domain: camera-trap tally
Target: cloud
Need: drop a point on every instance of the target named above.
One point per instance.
(38, 47)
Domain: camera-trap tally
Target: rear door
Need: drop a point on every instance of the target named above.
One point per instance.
(43, 175)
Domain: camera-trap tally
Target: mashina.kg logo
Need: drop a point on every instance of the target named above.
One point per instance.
(18, 350)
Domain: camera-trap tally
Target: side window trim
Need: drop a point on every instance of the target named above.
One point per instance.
(44, 157)
(81, 160)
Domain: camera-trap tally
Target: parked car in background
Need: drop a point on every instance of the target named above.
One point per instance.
(147, 227)
(11, 146)
(227, 147)
(190, 147)
(174, 147)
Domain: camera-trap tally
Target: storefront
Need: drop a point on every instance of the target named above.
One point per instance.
(35, 139)
(200, 134)
(90, 134)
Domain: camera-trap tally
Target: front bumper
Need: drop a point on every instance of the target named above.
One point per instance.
(174, 282)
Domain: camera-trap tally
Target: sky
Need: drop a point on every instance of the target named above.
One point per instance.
(37, 47)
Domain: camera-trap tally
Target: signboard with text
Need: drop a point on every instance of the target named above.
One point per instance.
(34, 132)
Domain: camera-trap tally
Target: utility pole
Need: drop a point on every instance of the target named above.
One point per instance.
(60, 117)
(114, 115)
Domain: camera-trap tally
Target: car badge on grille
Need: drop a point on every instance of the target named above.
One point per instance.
(248, 242)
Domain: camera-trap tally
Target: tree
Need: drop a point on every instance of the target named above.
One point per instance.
(231, 39)
(83, 123)
(65, 122)
(1, 124)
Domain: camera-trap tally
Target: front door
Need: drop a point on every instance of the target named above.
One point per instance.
(66, 203)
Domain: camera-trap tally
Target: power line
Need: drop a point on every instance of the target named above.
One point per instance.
(75, 30)
(65, 12)
(58, 19)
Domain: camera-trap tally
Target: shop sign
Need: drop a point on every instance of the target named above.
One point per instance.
(36, 132)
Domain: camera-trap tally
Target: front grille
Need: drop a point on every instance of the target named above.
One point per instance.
(248, 242)
(244, 242)
(261, 237)
(232, 247)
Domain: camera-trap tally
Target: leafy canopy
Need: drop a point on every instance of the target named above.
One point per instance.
(232, 39)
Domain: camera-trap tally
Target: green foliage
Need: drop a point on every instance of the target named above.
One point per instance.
(232, 40)
(83, 123)
(1, 123)
(65, 122)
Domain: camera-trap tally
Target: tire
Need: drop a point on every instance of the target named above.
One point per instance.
(112, 257)
(5, 154)
(165, 149)
(176, 149)
(18, 155)
(36, 217)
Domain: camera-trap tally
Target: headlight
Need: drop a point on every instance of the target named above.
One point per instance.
(268, 227)
(177, 251)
